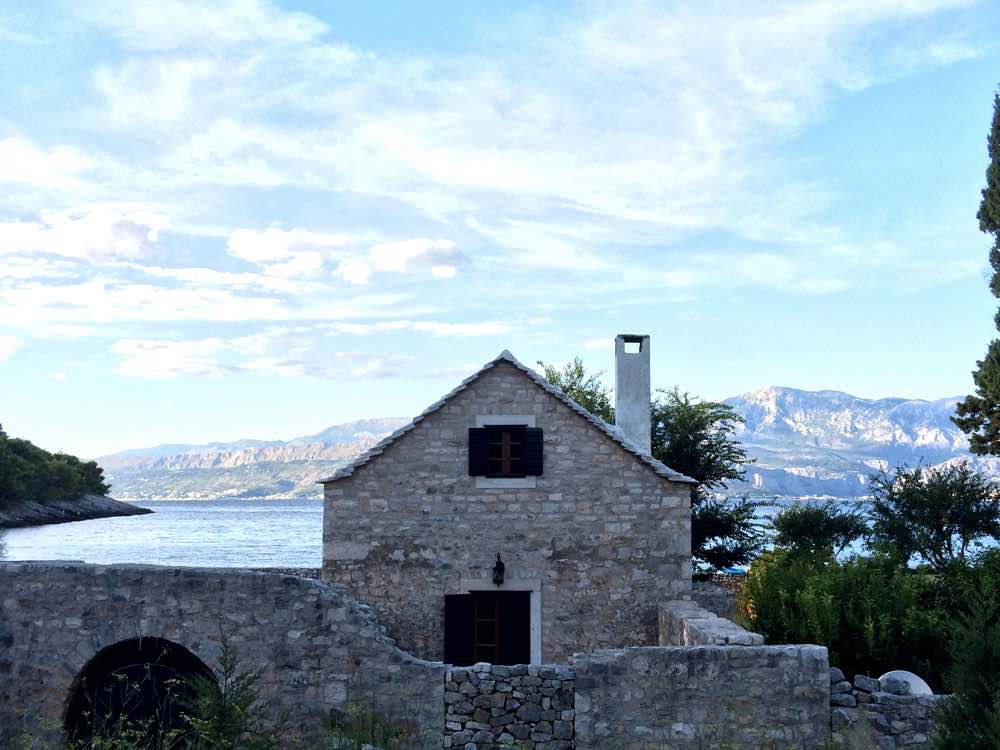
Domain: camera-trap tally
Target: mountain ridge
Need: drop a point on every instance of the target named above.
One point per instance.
(804, 443)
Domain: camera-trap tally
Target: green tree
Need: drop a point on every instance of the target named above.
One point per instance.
(979, 415)
(970, 717)
(696, 438)
(584, 388)
(28, 472)
(817, 530)
(941, 515)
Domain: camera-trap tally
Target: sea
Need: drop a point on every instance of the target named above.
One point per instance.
(231, 533)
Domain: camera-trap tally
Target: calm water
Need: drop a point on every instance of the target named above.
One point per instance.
(224, 533)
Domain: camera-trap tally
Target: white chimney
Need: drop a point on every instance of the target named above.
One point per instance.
(632, 389)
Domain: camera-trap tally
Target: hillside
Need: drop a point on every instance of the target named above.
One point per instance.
(828, 442)
(245, 468)
(805, 443)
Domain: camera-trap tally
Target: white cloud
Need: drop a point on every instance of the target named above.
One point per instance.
(176, 24)
(295, 252)
(434, 328)
(168, 359)
(440, 258)
(8, 345)
(599, 344)
(274, 244)
(94, 232)
(23, 161)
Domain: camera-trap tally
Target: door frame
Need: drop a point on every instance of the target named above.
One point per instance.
(532, 585)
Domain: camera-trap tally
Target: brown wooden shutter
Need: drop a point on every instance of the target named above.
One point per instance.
(459, 630)
(479, 452)
(533, 451)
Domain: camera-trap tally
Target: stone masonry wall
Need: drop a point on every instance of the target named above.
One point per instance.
(602, 534)
(703, 696)
(686, 623)
(487, 705)
(878, 714)
(317, 649)
(716, 599)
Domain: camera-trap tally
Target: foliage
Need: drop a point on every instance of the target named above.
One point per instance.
(979, 415)
(29, 473)
(817, 530)
(695, 438)
(971, 717)
(872, 614)
(359, 728)
(225, 713)
(583, 387)
(941, 515)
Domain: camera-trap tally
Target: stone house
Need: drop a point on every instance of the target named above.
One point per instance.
(506, 524)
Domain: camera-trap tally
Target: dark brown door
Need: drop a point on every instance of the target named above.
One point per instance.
(489, 626)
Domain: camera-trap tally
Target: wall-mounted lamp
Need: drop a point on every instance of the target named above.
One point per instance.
(498, 571)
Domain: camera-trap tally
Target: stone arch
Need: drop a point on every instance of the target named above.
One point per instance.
(145, 681)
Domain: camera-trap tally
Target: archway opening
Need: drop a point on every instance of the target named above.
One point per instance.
(141, 686)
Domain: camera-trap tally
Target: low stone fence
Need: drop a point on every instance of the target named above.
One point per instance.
(878, 714)
(703, 696)
(686, 623)
(487, 705)
(720, 600)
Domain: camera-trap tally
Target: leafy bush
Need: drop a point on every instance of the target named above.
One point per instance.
(814, 530)
(871, 614)
(29, 473)
(939, 515)
(971, 717)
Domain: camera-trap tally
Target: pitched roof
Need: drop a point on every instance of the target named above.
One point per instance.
(612, 431)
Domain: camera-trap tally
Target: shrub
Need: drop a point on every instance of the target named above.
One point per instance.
(814, 530)
(971, 717)
(871, 614)
(940, 515)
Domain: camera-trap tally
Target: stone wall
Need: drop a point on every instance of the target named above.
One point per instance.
(686, 623)
(716, 599)
(601, 534)
(703, 696)
(878, 714)
(530, 706)
(317, 649)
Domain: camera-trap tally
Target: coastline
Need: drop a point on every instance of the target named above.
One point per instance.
(82, 509)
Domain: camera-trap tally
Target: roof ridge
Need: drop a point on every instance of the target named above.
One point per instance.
(612, 431)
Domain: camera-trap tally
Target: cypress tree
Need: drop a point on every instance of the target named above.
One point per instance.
(979, 415)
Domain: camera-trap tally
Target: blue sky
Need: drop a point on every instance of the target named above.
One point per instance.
(252, 219)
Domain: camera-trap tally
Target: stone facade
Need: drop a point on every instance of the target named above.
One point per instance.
(703, 697)
(530, 706)
(317, 649)
(602, 536)
(878, 714)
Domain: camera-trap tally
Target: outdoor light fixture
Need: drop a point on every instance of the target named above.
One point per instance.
(498, 571)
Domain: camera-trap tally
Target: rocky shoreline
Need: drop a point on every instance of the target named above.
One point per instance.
(62, 511)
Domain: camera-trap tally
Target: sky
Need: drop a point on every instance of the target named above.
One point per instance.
(243, 218)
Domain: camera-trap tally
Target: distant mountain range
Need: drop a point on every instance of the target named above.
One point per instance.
(245, 468)
(804, 442)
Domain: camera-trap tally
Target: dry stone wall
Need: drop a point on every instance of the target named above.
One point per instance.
(879, 714)
(603, 536)
(703, 696)
(686, 623)
(527, 706)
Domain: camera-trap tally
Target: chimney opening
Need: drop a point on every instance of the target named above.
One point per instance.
(633, 347)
